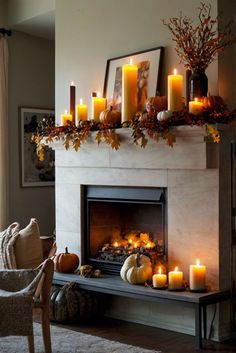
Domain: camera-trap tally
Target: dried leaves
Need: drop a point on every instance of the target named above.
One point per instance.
(143, 130)
(198, 45)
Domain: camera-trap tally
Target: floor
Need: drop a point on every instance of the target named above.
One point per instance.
(151, 338)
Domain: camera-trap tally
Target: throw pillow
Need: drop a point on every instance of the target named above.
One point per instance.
(28, 247)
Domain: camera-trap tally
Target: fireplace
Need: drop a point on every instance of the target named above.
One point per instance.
(120, 221)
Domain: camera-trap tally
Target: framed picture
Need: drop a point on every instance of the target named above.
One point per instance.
(148, 85)
(33, 171)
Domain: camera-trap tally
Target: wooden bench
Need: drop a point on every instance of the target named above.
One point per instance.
(115, 286)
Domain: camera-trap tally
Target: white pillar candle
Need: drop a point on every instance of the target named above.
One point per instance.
(197, 277)
(159, 279)
(175, 279)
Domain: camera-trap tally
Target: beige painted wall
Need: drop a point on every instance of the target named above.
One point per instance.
(3, 13)
(88, 32)
(31, 84)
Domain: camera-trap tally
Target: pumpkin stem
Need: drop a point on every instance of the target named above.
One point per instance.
(138, 259)
(111, 107)
(66, 250)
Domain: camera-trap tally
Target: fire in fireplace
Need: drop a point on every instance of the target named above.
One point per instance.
(120, 221)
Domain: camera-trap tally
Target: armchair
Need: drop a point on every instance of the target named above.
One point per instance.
(20, 292)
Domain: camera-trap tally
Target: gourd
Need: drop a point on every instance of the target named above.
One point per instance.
(66, 262)
(163, 115)
(213, 102)
(70, 304)
(156, 104)
(110, 116)
(137, 269)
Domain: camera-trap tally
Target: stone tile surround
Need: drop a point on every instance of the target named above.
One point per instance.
(198, 219)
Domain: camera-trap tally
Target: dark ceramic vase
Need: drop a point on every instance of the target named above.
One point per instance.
(198, 84)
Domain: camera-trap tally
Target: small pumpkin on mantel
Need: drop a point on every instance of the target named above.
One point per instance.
(66, 262)
(156, 104)
(110, 116)
(137, 269)
(164, 115)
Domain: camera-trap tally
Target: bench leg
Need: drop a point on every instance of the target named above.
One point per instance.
(198, 326)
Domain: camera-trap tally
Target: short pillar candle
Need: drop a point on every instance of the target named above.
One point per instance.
(66, 118)
(195, 107)
(175, 279)
(98, 105)
(159, 279)
(82, 111)
(197, 277)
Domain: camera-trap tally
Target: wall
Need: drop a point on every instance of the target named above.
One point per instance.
(90, 32)
(31, 84)
(227, 69)
(3, 13)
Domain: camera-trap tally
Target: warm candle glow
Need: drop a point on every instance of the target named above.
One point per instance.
(116, 244)
(195, 99)
(195, 106)
(82, 111)
(175, 279)
(175, 71)
(148, 245)
(81, 101)
(65, 118)
(72, 83)
(159, 280)
(135, 245)
(197, 277)
(131, 61)
(130, 241)
(159, 270)
(98, 94)
(98, 105)
(176, 269)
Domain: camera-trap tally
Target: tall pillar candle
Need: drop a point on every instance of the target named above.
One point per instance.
(129, 91)
(82, 111)
(197, 277)
(175, 91)
(98, 106)
(72, 101)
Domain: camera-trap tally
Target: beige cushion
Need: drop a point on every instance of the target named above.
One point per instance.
(28, 247)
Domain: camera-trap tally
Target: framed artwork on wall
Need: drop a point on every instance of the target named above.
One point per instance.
(149, 69)
(35, 172)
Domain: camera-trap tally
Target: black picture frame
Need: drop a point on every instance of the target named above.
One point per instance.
(35, 173)
(149, 76)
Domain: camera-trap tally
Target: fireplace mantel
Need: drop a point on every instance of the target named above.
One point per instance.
(197, 175)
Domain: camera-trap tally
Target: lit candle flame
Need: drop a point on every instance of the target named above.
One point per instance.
(195, 99)
(81, 101)
(98, 94)
(135, 245)
(148, 245)
(116, 244)
(65, 111)
(159, 270)
(198, 262)
(176, 269)
(130, 241)
(131, 61)
(175, 71)
(72, 83)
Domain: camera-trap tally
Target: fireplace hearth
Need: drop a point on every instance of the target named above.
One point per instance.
(120, 221)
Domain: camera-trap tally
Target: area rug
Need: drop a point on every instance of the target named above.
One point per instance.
(68, 341)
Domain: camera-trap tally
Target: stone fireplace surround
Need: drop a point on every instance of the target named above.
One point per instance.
(197, 175)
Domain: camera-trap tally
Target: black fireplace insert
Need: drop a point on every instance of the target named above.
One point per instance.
(119, 221)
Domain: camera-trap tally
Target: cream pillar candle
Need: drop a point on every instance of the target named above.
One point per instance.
(195, 107)
(159, 279)
(197, 277)
(66, 118)
(175, 91)
(175, 279)
(98, 106)
(129, 91)
(82, 111)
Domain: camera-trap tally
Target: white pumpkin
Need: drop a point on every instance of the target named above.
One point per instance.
(164, 114)
(137, 269)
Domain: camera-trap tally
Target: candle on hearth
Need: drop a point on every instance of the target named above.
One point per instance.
(82, 111)
(175, 91)
(66, 118)
(196, 107)
(159, 279)
(197, 277)
(175, 279)
(98, 105)
(72, 100)
(129, 91)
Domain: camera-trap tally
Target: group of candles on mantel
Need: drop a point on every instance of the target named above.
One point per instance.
(197, 278)
(129, 98)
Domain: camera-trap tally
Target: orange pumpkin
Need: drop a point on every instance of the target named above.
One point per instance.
(110, 116)
(66, 262)
(156, 104)
(213, 102)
